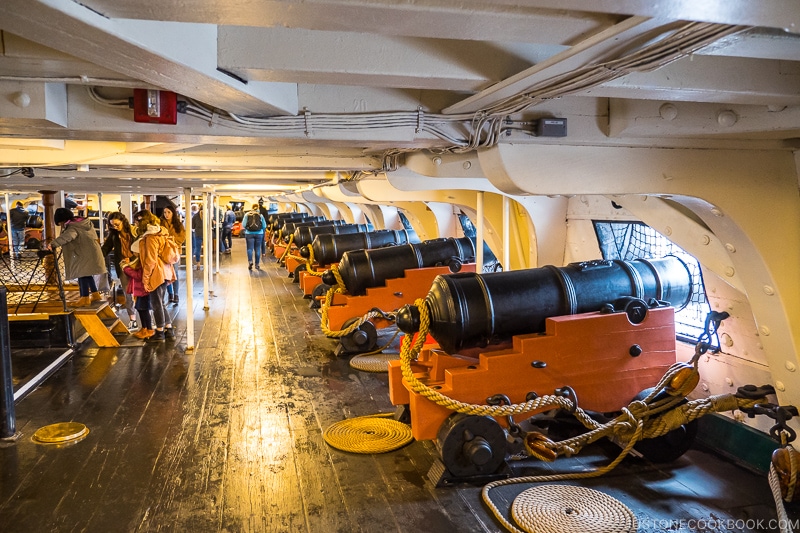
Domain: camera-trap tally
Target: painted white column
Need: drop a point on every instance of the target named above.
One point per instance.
(187, 193)
(11, 242)
(125, 205)
(506, 233)
(479, 234)
(219, 241)
(206, 248)
(99, 216)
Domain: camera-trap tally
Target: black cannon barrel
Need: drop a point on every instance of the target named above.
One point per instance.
(361, 269)
(329, 248)
(288, 227)
(304, 235)
(280, 218)
(468, 309)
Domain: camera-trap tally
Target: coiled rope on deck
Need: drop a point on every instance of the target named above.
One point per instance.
(368, 434)
(565, 509)
(373, 361)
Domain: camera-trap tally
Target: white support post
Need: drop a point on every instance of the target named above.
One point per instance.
(219, 240)
(187, 193)
(99, 216)
(506, 233)
(207, 249)
(479, 235)
(11, 242)
(125, 206)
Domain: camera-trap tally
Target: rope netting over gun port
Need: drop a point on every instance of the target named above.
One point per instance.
(34, 280)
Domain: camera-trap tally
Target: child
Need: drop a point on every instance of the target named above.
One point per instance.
(133, 269)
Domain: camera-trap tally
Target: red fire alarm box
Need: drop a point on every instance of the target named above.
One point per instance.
(154, 106)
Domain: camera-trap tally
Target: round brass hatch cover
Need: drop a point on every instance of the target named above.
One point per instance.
(60, 433)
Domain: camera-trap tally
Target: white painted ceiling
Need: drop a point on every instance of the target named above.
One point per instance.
(288, 94)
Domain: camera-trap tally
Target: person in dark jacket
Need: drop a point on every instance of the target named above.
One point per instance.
(83, 257)
(17, 222)
(227, 230)
(197, 235)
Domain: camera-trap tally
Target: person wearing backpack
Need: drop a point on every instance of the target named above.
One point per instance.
(254, 227)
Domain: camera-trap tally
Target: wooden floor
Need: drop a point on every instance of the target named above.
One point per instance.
(229, 439)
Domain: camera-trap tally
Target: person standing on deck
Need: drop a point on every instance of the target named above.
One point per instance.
(227, 230)
(171, 220)
(154, 271)
(264, 213)
(120, 238)
(83, 258)
(254, 226)
(197, 235)
(17, 222)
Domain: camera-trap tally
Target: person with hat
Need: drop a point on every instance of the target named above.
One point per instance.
(83, 257)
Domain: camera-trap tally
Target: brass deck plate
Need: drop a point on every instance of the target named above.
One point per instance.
(60, 433)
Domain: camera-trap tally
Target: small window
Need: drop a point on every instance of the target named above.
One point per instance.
(634, 240)
(490, 262)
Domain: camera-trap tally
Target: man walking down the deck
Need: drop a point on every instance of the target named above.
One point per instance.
(17, 223)
(254, 227)
(227, 230)
(83, 258)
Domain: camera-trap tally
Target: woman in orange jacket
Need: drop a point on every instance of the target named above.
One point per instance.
(155, 272)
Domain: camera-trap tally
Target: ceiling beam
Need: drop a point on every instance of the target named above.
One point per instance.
(593, 49)
(443, 19)
(347, 58)
(710, 79)
(475, 15)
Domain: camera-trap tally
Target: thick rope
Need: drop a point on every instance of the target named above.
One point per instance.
(288, 247)
(310, 263)
(571, 509)
(375, 363)
(775, 486)
(368, 434)
(325, 321)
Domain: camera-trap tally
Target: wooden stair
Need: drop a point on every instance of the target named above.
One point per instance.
(101, 322)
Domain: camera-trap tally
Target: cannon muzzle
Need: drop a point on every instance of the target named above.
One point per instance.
(469, 310)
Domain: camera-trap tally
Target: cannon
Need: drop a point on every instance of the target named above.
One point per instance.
(329, 248)
(288, 227)
(276, 220)
(304, 235)
(601, 333)
(470, 310)
(361, 269)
